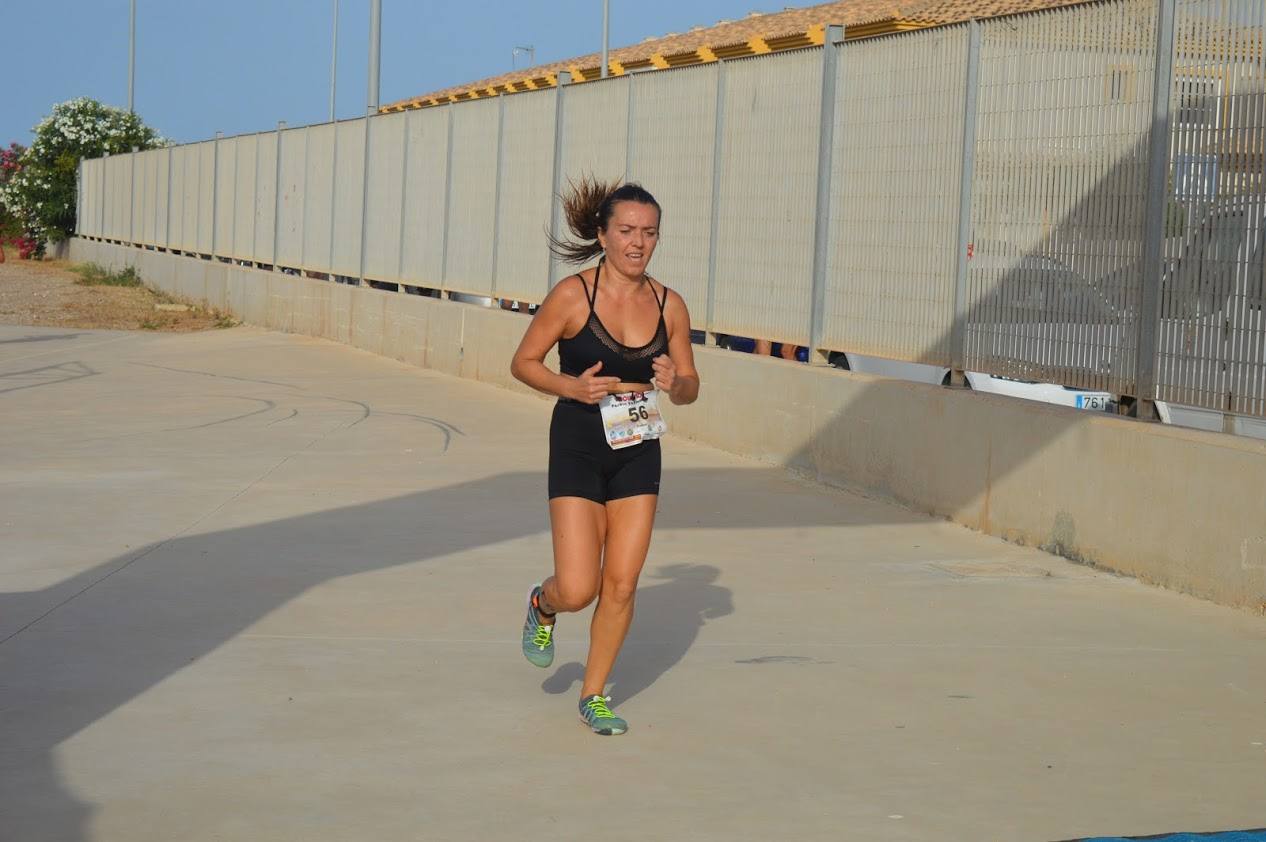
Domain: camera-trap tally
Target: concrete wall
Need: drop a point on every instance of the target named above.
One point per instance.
(1179, 508)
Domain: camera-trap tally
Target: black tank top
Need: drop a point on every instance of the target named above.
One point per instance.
(594, 343)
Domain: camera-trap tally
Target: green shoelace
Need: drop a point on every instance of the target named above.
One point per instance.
(542, 635)
(597, 707)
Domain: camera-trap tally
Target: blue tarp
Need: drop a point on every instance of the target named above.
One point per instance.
(1230, 836)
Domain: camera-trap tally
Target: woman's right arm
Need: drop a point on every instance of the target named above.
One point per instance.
(547, 327)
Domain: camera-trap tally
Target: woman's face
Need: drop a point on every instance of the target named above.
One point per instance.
(630, 237)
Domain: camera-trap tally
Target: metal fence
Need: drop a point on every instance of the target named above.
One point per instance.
(1211, 337)
(1073, 195)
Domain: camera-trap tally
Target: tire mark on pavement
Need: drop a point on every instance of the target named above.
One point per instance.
(213, 374)
(292, 414)
(445, 428)
(70, 371)
(268, 407)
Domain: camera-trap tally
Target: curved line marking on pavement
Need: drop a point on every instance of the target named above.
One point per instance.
(268, 407)
(366, 410)
(213, 374)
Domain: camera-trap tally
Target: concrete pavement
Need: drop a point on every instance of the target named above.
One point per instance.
(262, 587)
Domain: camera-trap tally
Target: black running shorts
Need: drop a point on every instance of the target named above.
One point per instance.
(582, 464)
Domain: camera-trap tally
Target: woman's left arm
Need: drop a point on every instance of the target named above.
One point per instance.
(675, 372)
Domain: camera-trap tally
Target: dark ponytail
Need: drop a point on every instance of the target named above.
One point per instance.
(588, 205)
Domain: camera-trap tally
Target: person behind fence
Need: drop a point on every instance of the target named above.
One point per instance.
(624, 345)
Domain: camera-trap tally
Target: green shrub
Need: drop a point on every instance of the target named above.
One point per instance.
(93, 275)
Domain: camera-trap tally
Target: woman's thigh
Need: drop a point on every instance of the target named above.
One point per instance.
(629, 521)
(579, 528)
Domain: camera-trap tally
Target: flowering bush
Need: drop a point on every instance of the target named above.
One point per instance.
(39, 190)
(28, 248)
(10, 226)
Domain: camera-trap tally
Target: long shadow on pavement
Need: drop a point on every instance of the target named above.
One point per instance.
(139, 619)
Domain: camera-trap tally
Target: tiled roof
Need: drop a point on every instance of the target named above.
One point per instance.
(953, 11)
(756, 33)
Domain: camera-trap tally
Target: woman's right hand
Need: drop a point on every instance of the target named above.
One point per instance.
(589, 388)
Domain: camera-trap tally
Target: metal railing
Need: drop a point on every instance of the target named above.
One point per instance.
(1013, 196)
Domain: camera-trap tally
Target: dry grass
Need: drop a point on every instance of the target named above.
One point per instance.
(51, 293)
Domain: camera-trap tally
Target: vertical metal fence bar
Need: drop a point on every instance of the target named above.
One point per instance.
(628, 135)
(329, 263)
(718, 144)
(404, 198)
(79, 195)
(496, 194)
(448, 197)
(231, 250)
(1154, 214)
(822, 204)
(254, 210)
(215, 193)
(958, 329)
(167, 221)
(303, 205)
(190, 234)
(555, 213)
(237, 158)
(101, 203)
(131, 205)
(364, 204)
(281, 124)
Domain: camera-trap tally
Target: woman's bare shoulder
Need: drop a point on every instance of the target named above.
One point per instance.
(570, 289)
(671, 298)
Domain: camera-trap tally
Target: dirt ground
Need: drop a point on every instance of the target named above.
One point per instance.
(44, 293)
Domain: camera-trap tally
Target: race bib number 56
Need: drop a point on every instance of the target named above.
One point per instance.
(631, 417)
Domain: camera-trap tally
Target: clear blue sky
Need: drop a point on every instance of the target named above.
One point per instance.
(242, 65)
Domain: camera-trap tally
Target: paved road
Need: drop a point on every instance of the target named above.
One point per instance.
(261, 587)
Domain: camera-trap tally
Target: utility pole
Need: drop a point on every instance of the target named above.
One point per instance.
(375, 45)
(131, 64)
(606, 34)
(334, 62)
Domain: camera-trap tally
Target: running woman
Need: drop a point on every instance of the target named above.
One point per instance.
(624, 337)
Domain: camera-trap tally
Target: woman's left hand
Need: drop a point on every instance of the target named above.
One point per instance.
(665, 373)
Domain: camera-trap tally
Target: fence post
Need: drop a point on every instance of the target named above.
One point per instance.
(255, 209)
(329, 261)
(555, 209)
(496, 192)
(215, 194)
(717, 145)
(167, 221)
(967, 178)
(404, 198)
(132, 196)
(105, 162)
(364, 202)
(1143, 402)
(822, 216)
(79, 196)
(628, 134)
(276, 261)
(448, 196)
(230, 233)
(131, 205)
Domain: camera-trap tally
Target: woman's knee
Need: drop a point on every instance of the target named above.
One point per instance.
(618, 591)
(573, 595)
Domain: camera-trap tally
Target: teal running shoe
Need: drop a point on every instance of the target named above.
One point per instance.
(538, 638)
(595, 713)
